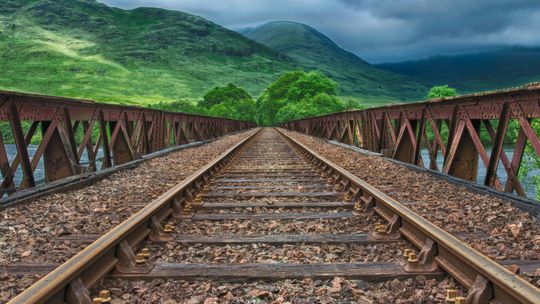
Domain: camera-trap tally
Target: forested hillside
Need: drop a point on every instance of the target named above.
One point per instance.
(81, 48)
(471, 73)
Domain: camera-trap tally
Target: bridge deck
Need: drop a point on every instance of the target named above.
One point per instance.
(51, 229)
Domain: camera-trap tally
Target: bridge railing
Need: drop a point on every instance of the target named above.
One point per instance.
(66, 137)
(460, 131)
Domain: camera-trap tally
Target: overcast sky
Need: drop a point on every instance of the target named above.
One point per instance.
(382, 30)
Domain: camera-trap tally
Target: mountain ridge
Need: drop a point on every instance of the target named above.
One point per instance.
(473, 72)
(312, 49)
(86, 49)
(89, 50)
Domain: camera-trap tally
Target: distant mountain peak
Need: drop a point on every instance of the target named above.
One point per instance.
(314, 50)
(297, 34)
(86, 49)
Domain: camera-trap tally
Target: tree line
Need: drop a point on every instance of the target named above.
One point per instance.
(294, 95)
(300, 94)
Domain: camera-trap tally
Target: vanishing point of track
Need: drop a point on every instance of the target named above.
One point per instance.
(269, 176)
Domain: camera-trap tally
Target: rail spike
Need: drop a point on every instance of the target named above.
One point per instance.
(365, 205)
(157, 233)
(480, 292)
(426, 259)
(389, 231)
(78, 293)
(177, 207)
(127, 263)
(353, 195)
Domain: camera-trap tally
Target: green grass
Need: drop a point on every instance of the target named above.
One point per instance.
(85, 49)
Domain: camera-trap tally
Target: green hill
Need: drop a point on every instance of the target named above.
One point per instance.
(81, 48)
(313, 50)
(469, 73)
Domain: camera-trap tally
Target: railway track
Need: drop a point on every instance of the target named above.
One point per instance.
(271, 209)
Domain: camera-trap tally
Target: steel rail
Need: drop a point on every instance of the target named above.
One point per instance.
(71, 281)
(484, 278)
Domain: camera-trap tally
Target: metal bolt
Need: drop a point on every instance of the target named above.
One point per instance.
(140, 259)
(168, 228)
(145, 252)
(406, 252)
(413, 258)
(451, 296)
(105, 296)
(461, 300)
(380, 228)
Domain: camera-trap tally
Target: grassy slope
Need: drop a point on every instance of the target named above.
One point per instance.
(475, 72)
(80, 48)
(356, 77)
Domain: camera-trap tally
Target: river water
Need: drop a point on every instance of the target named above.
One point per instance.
(526, 182)
(528, 186)
(39, 173)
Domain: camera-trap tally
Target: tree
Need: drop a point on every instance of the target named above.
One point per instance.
(293, 95)
(243, 109)
(229, 101)
(182, 105)
(321, 103)
(441, 92)
(279, 89)
(218, 95)
(298, 94)
(352, 103)
(267, 109)
(309, 85)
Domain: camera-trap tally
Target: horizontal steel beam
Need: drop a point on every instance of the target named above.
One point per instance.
(451, 127)
(79, 136)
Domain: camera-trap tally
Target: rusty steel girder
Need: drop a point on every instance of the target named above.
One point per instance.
(71, 128)
(401, 131)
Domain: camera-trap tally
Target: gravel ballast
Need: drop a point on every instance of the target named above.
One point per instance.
(511, 232)
(28, 231)
(337, 290)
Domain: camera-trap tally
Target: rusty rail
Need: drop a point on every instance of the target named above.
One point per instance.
(402, 131)
(110, 134)
(115, 251)
(71, 281)
(485, 279)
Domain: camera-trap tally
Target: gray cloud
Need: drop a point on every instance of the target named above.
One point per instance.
(382, 30)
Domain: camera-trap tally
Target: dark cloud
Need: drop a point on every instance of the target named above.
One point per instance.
(383, 30)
